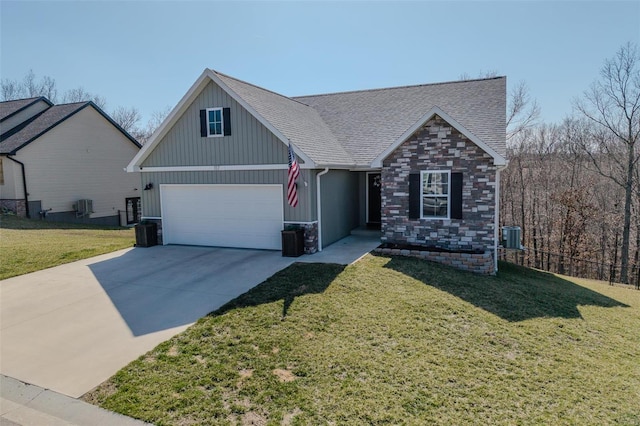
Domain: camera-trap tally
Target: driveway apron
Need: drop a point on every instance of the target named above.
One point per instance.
(71, 327)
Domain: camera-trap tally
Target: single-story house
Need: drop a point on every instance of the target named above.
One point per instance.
(421, 163)
(66, 163)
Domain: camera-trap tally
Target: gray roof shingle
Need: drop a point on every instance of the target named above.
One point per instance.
(8, 108)
(367, 122)
(41, 123)
(30, 130)
(298, 122)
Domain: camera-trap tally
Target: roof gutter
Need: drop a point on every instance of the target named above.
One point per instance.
(319, 206)
(24, 185)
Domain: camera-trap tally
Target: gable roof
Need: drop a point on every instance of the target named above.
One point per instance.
(40, 124)
(10, 108)
(299, 123)
(352, 129)
(497, 158)
(366, 122)
(289, 120)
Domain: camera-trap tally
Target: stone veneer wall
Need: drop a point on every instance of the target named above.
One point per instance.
(19, 207)
(310, 236)
(438, 146)
(481, 263)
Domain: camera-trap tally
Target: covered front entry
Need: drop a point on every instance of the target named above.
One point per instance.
(374, 199)
(242, 216)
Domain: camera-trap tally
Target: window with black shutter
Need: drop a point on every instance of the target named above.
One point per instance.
(435, 194)
(215, 122)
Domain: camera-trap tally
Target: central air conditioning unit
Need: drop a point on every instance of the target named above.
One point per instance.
(83, 208)
(511, 237)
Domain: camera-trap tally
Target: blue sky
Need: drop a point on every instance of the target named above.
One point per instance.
(147, 54)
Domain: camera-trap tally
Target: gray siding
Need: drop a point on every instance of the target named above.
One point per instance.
(305, 212)
(249, 143)
(362, 197)
(340, 205)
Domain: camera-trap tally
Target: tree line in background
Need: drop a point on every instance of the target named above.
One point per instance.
(128, 118)
(574, 187)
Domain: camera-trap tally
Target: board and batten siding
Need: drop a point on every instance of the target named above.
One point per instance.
(249, 143)
(305, 212)
(340, 205)
(81, 158)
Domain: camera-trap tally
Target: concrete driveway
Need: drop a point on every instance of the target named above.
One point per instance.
(71, 327)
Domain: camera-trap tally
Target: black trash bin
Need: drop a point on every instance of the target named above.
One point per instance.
(146, 234)
(293, 242)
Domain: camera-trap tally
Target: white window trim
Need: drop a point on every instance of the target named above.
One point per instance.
(209, 135)
(448, 216)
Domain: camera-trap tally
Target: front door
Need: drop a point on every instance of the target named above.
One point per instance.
(133, 210)
(374, 184)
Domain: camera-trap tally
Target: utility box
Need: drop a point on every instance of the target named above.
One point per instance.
(146, 234)
(511, 237)
(293, 243)
(83, 208)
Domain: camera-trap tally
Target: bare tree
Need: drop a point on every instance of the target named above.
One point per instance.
(29, 87)
(81, 95)
(522, 111)
(127, 118)
(481, 74)
(612, 105)
(157, 117)
(48, 88)
(11, 89)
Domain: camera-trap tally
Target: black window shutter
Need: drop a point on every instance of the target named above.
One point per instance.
(414, 196)
(203, 123)
(226, 117)
(456, 195)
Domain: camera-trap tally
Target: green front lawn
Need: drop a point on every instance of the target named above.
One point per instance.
(31, 245)
(397, 341)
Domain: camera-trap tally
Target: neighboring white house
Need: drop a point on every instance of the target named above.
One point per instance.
(66, 163)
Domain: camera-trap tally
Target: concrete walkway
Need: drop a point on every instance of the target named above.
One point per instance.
(24, 404)
(69, 328)
(347, 250)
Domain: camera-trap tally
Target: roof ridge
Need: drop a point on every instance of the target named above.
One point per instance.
(73, 103)
(259, 87)
(400, 87)
(23, 99)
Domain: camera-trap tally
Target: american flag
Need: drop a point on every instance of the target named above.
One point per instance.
(294, 172)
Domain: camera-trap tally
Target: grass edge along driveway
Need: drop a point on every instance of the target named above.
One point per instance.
(397, 341)
(32, 245)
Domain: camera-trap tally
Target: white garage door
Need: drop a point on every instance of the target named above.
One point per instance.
(246, 216)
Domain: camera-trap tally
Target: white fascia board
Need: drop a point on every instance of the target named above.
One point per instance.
(498, 160)
(259, 117)
(365, 169)
(221, 168)
(333, 166)
(168, 123)
(185, 102)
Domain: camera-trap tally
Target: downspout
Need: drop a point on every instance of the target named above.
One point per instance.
(319, 207)
(24, 186)
(497, 219)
